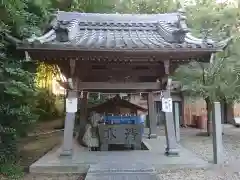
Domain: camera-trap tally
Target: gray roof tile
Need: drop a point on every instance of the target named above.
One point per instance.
(122, 31)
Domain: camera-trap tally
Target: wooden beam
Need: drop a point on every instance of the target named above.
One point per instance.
(113, 79)
(126, 72)
(115, 56)
(119, 86)
(130, 64)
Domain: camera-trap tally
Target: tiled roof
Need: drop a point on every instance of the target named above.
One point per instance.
(122, 31)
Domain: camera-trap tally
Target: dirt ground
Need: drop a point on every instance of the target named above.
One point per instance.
(41, 140)
(55, 177)
(38, 146)
(47, 126)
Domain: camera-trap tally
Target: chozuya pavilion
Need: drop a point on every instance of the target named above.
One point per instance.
(120, 53)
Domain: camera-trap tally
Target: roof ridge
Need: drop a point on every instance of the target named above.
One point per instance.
(100, 17)
(168, 32)
(127, 14)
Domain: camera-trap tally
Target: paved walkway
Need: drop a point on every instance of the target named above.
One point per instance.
(136, 166)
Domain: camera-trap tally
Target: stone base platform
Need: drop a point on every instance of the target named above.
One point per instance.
(153, 159)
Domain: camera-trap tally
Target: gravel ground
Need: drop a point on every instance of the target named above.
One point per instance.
(202, 146)
(190, 174)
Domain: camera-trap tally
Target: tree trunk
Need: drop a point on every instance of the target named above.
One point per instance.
(209, 116)
(230, 113)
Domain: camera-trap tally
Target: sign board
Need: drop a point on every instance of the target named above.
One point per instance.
(71, 105)
(120, 134)
(167, 104)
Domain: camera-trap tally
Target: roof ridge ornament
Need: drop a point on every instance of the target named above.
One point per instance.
(67, 31)
(61, 32)
(182, 20)
(174, 32)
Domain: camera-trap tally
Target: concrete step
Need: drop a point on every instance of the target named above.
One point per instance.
(122, 176)
(113, 168)
(120, 171)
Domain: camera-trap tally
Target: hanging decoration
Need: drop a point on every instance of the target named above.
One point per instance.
(122, 94)
(167, 104)
(81, 95)
(27, 57)
(161, 95)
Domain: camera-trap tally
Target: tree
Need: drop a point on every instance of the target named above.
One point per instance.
(93, 6)
(219, 80)
(18, 19)
(146, 6)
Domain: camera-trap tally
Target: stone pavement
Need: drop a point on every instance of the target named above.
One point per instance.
(122, 176)
(184, 165)
(118, 171)
(82, 159)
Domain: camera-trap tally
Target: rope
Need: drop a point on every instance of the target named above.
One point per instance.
(146, 92)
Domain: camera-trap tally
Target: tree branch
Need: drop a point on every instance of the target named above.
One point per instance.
(63, 4)
(203, 72)
(12, 39)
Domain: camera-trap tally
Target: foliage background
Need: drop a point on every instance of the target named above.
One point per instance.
(21, 100)
(25, 87)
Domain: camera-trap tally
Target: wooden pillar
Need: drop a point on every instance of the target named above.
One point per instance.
(152, 116)
(83, 117)
(217, 134)
(172, 147)
(177, 120)
(182, 120)
(67, 147)
(71, 109)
